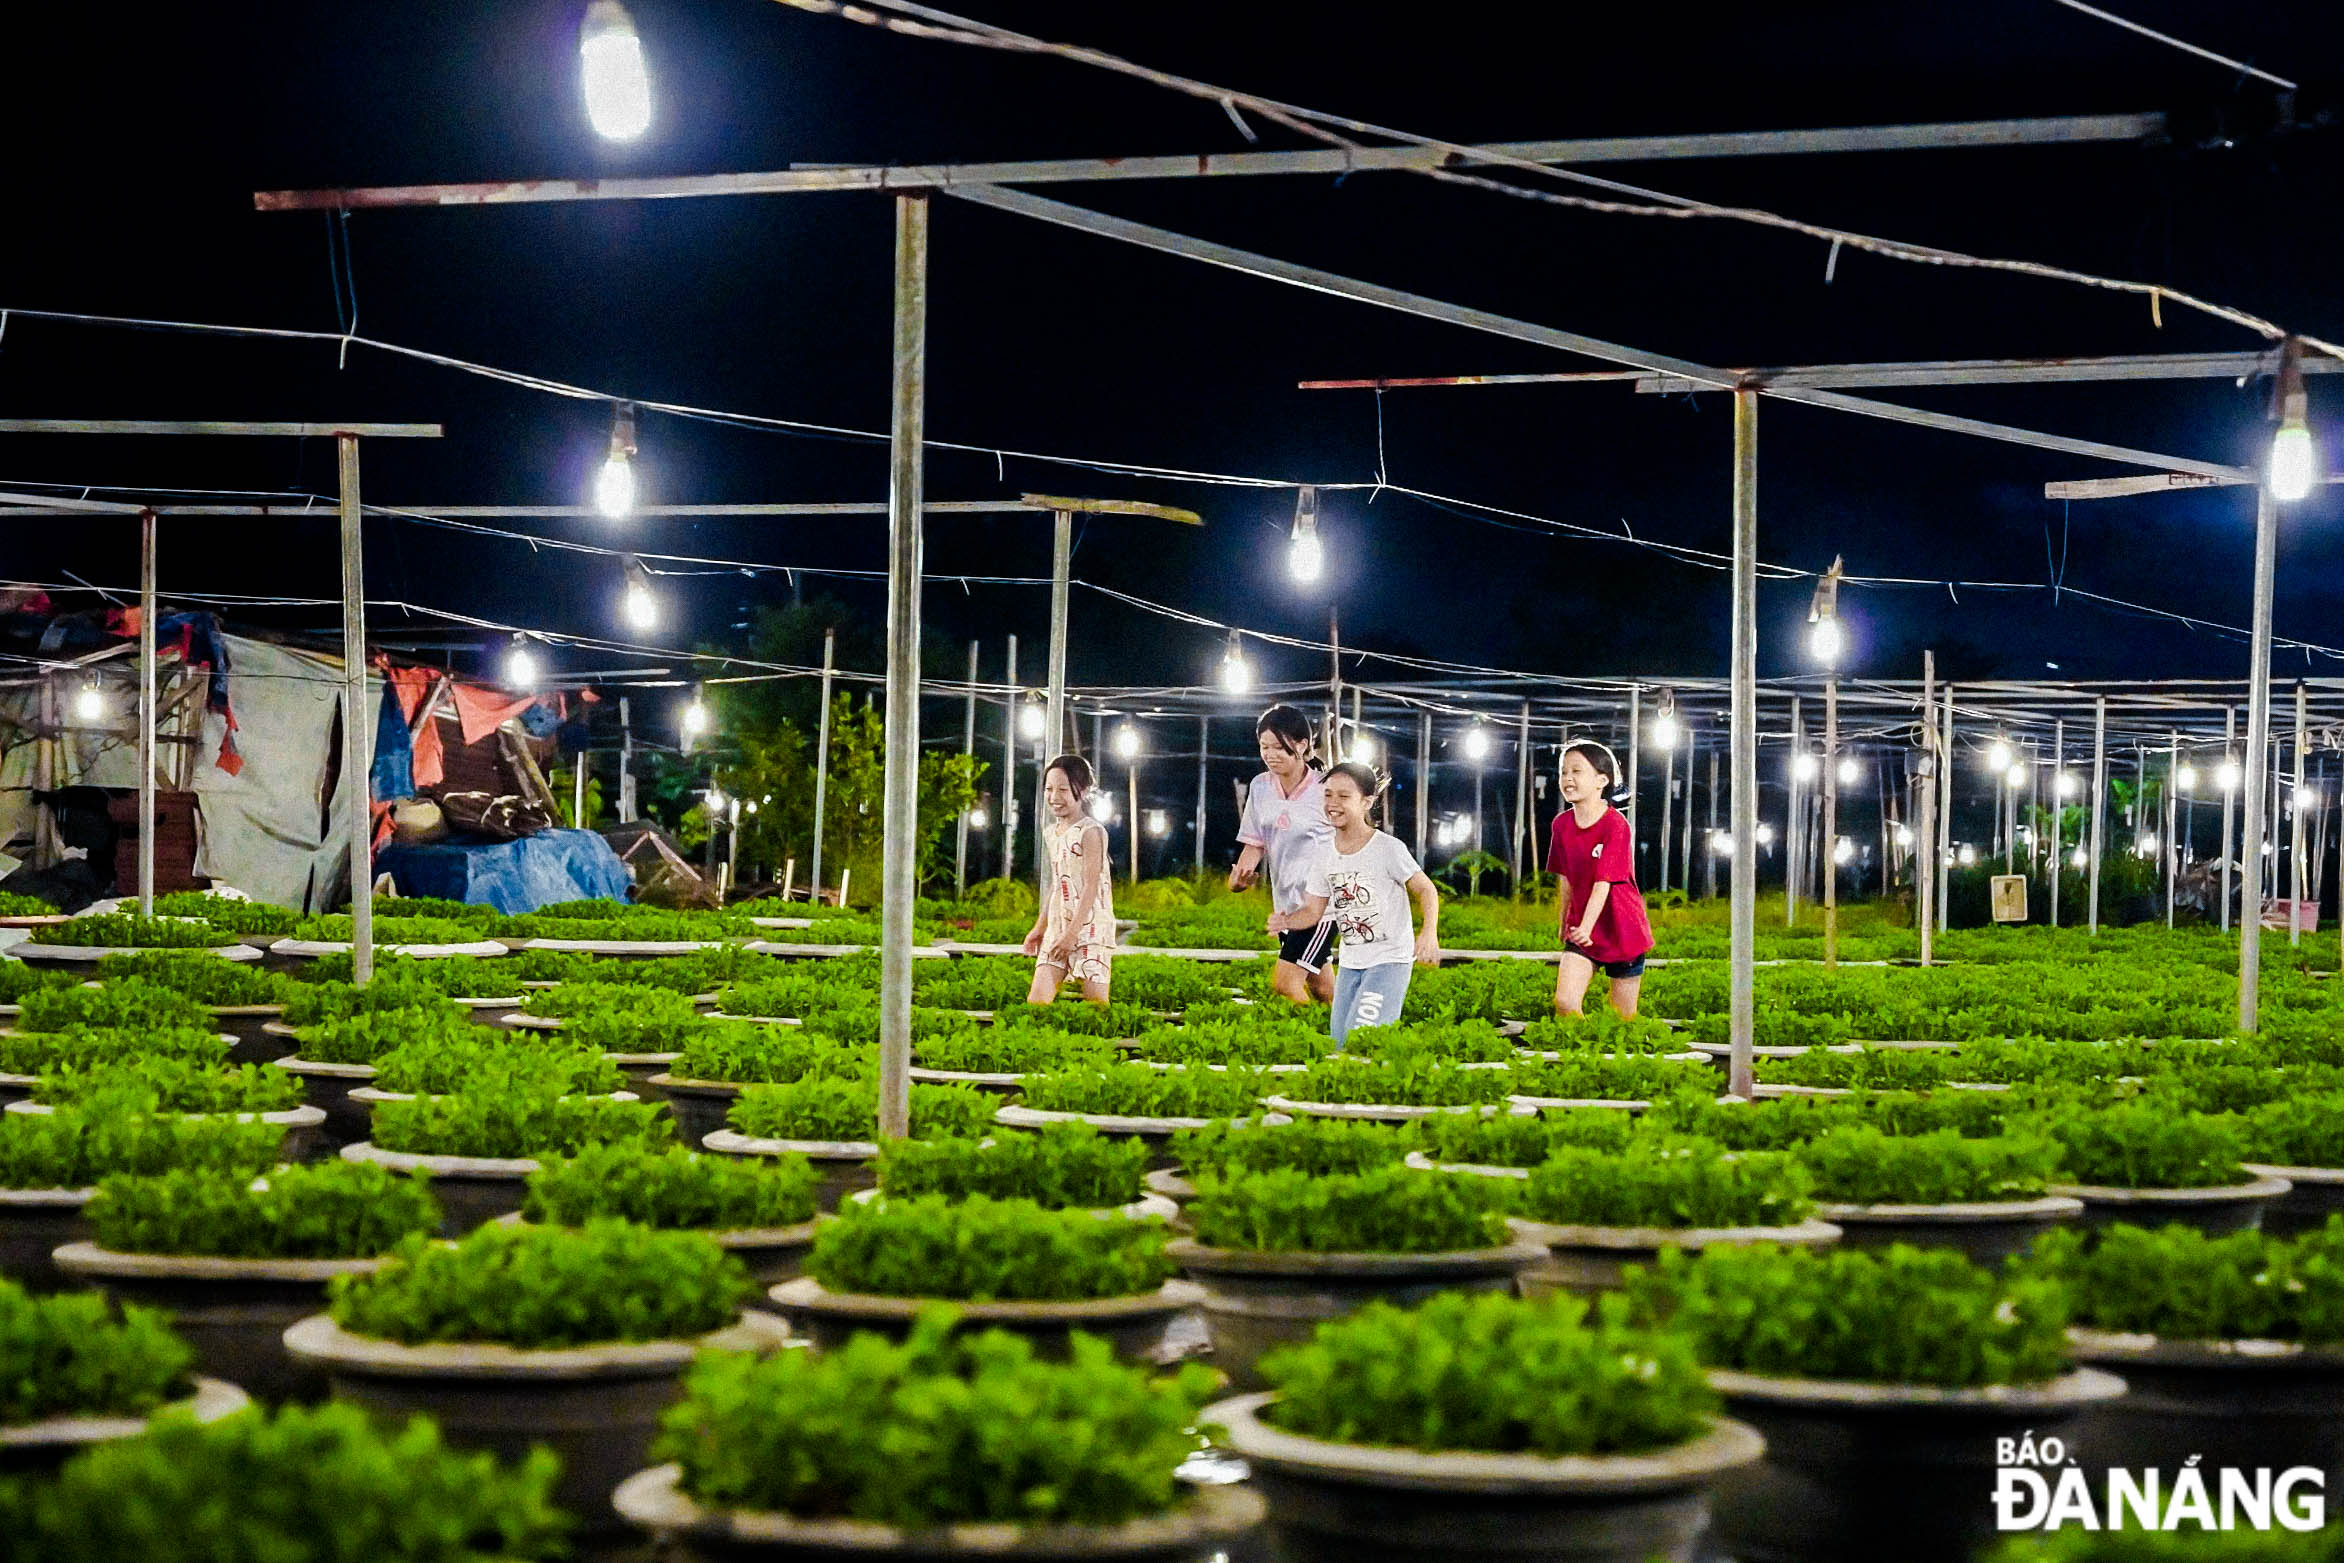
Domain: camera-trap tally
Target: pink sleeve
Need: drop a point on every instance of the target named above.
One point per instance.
(1619, 852)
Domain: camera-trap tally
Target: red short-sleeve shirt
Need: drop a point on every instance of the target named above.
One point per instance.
(1585, 856)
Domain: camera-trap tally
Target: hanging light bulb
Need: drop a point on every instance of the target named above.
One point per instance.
(1763, 835)
(639, 604)
(1126, 742)
(1803, 766)
(1721, 842)
(614, 485)
(618, 86)
(2079, 858)
(1998, 756)
(752, 806)
(1850, 772)
(1904, 835)
(89, 702)
(695, 717)
(2017, 774)
(1033, 719)
(2306, 798)
(1477, 741)
(2226, 775)
(2147, 845)
(1158, 822)
(520, 666)
(1363, 748)
(2186, 778)
(2295, 460)
(1967, 856)
(2065, 784)
(1305, 558)
(1666, 729)
(1101, 805)
(1236, 672)
(1843, 851)
(716, 802)
(978, 818)
(1827, 641)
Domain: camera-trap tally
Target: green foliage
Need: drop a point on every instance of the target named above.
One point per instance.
(69, 1355)
(1902, 1316)
(1875, 1068)
(365, 1037)
(1061, 1166)
(1601, 1032)
(627, 1000)
(1247, 1038)
(437, 1065)
(1011, 1050)
(1313, 1145)
(746, 1053)
(1137, 1091)
(337, 928)
(1667, 1183)
(510, 1117)
(129, 931)
(2297, 1131)
(1861, 1165)
(17, 979)
(205, 979)
(478, 914)
(672, 1188)
(1159, 982)
(2181, 1546)
(170, 1085)
(132, 1004)
(644, 923)
(2183, 1285)
(72, 1148)
(330, 1210)
(1627, 1079)
(939, 1429)
(2146, 1144)
(83, 1047)
(238, 917)
(16, 904)
(1516, 1139)
(1458, 1041)
(1079, 1020)
(547, 1286)
(824, 1107)
(451, 976)
(327, 999)
(1388, 1210)
(1489, 1372)
(795, 995)
(299, 1484)
(981, 1249)
(519, 967)
(1397, 1079)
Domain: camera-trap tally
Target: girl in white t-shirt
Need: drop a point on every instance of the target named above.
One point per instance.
(1361, 881)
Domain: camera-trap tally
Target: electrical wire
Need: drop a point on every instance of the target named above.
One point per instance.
(2183, 45)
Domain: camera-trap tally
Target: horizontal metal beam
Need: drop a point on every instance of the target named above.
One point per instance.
(44, 504)
(1289, 272)
(2151, 483)
(1917, 372)
(301, 431)
(1115, 507)
(1613, 149)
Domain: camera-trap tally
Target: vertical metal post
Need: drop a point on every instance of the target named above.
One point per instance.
(1743, 927)
(1423, 780)
(968, 746)
(1829, 858)
(1925, 812)
(2295, 836)
(1525, 854)
(1131, 822)
(1709, 871)
(1335, 687)
(2172, 819)
(1204, 750)
(578, 789)
(2229, 799)
(1942, 864)
(1668, 803)
(146, 713)
(821, 763)
(2099, 812)
(2257, 777)
(1009, 798)
(357, 719)
(900, 820)
(1792, 853)
(2058, 810)
(626, 761)
(1685, 838)
(1635, 758)
(1061, 564)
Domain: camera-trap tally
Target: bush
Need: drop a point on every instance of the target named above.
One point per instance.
(2183, 1285)
(2325, 1545)
(1136, 1091)
(1080, 1020)
(1663, 1183)
(1025, 1049)
(1249, 1040)
(592, 996)
(82, 1047)
(442, 1064)
(368, 1035)
(1874, 1068)
(192, 975)
(129, 931)
(73, 1148)
(672, 1188)
(939, 1429)
(986, 1250)
(1062, 1166)
(336, 1487)
(332, 1210)
(2296, 1131)
(1631, 1079)
(238, 917)
(1159, 982)
(69, 1355)
(1902, 1316)
(16, 904)
(1860, 1165)
(796, 994)
(169, 1085)
(1487, 1372)
(512, 1118)
(450, 976)
(132, 1004)
(822, 1107)
(1395, 1080)
(1313, 1145)
(1601, 1032)
(17, 979)
(1390, 1210)
(321, 1000)
(742, 1052)
(541, 1287)
(1458, 1041)
(337, 927)
(1516, 1139)
(2147, 1144)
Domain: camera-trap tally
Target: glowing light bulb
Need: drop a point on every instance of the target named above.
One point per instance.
(716, 801)
(2186, 778)
(1477, 742)
(1127, 742)
(1363, 748)
(1158, 823)
(2079, 858)
(695, 718)
(2017, 774)
(1102, 806)
(1827, 640)
(2147, 846)
(89, 702)
(1998, 756)
(1967, 856)
(1236, 672)
(1763, 835)
(2226, 776)
(2306, 798)
(2066, 784)
(978, 818)
(2295, 462)
(1804, 766)
(640, 606)
(1305, 557)
(618, 84)
(1722, 843)
(1033, 719)
(614, 487)
(752, 806)
(520, 667)
(1666, 730)
(1904, 835)
(1843, 851)
(1850, 773)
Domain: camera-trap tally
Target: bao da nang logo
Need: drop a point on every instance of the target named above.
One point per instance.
(2037, 1487)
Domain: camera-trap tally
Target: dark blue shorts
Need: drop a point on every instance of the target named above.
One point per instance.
(1634, 968)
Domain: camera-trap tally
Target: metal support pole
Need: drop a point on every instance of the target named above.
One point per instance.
(626, 761)
(1635, 755)
(1009, 798)
(2058, 810)
(1792, 852)
(900, 823)
(1131, 819)
(1523, 852)
(1204, 750)
(146, 713)
(1942, 866)
(1061, 563)
(1685, 838)
(2295, 836)
(2229, 800)
(968, 746)
(1830, 855)
(578, 789)
(1743, 927)
(1925, 812)
(1709, 868)
(2172, 820)
(1335, 688)
(2258, 738)
(1423, 780)
(1668, 801)
(821, 763)
(357, 720)
(2099, 810)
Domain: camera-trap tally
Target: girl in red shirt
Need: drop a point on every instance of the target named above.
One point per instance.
(1599, 907)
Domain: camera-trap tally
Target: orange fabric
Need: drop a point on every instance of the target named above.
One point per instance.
(483, 711)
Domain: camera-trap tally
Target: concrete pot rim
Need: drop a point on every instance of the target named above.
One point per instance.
(619, 946)
(367, 1093)
(2311, 1177)
(306, 1116)
(758, 1020)
(2051, 1207)
(1540, 1103)
(318, 1339)
(2072, 1390)
(244, 1011)
(33, 950)
(2220, 1194)
(486, 1003)
(736, 1143)
(2118, 1347)
(1149, 1205)
(679, 1087)
(1203, 1258)
(521, 1020)
(812, 1296)
(1020, 1117)
(212, 1399)
(484, 948)
(1385, 1111)
(1173, 1185)
(652, 1500)
(1423, 1163)
(660, 1061)
(1559, 1238)
(295, 1064)
(45, 1199)
(90, 1259)
(799, 1235)
(964, 1076)
(1727, 1445)
(501, 1168)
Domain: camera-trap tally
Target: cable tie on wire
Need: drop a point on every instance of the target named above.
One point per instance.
(2156, 313)
(1831, 263)
(1229, 107)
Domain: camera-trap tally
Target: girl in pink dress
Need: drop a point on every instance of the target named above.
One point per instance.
(1074, 933)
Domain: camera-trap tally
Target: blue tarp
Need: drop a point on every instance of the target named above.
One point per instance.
(512, 876)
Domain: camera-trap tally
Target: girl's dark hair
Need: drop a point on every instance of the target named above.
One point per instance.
(1362, 776)
(1606, 764)
(1291, 727)
(1075, 769)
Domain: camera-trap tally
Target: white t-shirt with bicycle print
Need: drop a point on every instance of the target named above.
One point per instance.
(1367, 899)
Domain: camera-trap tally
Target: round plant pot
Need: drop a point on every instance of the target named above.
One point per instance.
(232, 1312)
(472, 1190)
(34, 1224)
(1136, 1326)
(2235, 1207)
(1337, 1503)
(1423, 1163)
(1205, 1525)
(1594, 1259)
(1987, 1232)
(37, 1448)
(1171, 1183)
(35, 953)
(2313, 1194)
(1257, 1300)
(1384, 1112)
(641, 1070)
(698, 1106)
(982, 1080)
(1156, 1132)
(303, 1125)
(597, 1407)
(1855, 1473)
(846, 1166)
(248, 1024)
(329, 1087)
(771, 1254)
(491, 1011)
(2235, 1403)
(15, 1088)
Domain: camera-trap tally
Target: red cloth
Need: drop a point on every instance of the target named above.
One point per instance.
(483, 711)
(412, 688)
(1585, 856)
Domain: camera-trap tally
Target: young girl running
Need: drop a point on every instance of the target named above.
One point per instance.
(1600, 909)
(1285, 823)
(1361, 881)
(1074, 933)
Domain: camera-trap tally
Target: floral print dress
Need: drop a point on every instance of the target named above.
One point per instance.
(1093, 942)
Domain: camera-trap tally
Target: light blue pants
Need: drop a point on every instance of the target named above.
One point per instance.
(1368, 996)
